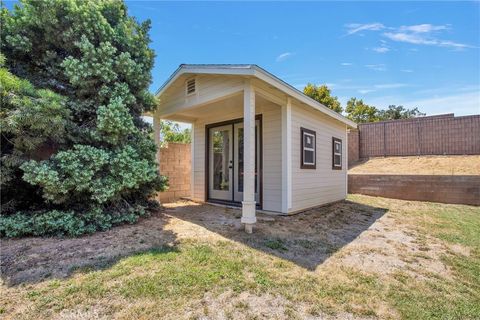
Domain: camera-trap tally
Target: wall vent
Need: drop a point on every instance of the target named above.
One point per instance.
(191, 86)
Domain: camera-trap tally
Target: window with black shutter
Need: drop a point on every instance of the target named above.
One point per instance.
(308, 149)
(336, 154)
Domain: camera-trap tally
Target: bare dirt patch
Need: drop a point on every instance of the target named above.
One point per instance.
(307, 238)
(246, 305)
(420, 165)
(34, 259)
(343, 234)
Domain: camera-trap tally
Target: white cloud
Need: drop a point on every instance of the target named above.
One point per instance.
(357, 27)
(376, 67)
(407, 70)
(346, 64)
(383, 86)
(419, 34)
(423, 28)
(390, 85)
(464, 103)
(331, 85)
(447, 43)
(381, 49)
(365, 91)
(405, 37)
(284, 56)
(416, 38)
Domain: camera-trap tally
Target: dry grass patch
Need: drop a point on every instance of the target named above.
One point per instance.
(423, 165)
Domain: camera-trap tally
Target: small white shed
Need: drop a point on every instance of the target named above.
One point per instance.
(257, 142)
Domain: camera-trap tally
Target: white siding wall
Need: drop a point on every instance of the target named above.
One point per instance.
(309, 187)
(313, 187)
(272, 158)
(271, 128)
(209, 87)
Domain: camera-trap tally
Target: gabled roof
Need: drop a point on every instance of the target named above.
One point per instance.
(254, 71)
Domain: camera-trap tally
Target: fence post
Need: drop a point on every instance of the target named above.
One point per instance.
(384, 141)
(418, 137)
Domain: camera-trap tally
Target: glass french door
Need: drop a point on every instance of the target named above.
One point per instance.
(225, 167)
(221, 162)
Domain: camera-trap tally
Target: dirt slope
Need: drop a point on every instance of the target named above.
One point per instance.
(422, 165)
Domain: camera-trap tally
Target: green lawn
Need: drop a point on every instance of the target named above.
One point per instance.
(200, 277)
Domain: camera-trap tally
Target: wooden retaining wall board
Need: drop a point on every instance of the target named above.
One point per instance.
(433, 188)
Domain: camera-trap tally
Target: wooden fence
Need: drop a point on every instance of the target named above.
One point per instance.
(435, 135)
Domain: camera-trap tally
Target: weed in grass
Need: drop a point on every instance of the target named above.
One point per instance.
(307, 244)
(290, 313)
(242, 305)
(280, 264)
(331, 249)
(276, 244)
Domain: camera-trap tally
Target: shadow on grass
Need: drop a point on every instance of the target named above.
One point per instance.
(31, 260)
(306, 239)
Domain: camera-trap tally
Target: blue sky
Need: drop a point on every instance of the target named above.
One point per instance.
(419, 54)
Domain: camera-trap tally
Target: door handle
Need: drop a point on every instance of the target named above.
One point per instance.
(230, 167)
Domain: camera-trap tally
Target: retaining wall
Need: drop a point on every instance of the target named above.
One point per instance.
(433, 188)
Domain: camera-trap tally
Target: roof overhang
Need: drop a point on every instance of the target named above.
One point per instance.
(253, 70)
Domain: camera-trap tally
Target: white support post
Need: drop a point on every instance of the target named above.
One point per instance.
(248, 203)
(287, 156)
(345, 161)
(192, 162)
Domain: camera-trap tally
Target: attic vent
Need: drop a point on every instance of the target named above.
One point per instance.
(191, 86)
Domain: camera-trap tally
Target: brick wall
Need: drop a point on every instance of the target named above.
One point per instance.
(435, 135)
(434, 188)
(175, 163)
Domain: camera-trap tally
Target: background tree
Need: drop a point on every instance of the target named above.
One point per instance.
(360, 112)
(398, 112)
(97, 58)
(171, 132)
(323, 95)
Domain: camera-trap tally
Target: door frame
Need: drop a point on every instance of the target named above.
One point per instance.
(207, 164)
(223, 195)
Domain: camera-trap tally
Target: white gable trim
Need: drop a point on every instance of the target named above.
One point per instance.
(255, 71)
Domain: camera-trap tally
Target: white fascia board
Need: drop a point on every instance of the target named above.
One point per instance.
(253, 70)
(291, 91)
(203, 70)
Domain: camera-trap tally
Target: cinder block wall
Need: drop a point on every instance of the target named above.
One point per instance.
(175, 163)
(445, 189)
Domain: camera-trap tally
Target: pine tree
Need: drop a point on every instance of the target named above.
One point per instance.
(97, 58)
